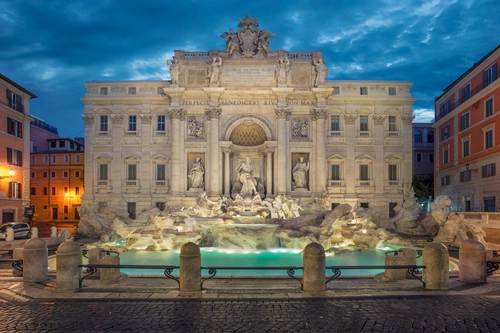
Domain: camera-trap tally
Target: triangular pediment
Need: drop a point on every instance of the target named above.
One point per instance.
(393, 158)
(131, 158)
(365, 157)
(103, 158)
(335, 158)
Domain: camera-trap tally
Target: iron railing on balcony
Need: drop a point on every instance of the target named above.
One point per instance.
(444, 110)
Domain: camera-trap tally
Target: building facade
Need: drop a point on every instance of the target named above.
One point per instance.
(246, 120)
(467, 147)
(57, 183)
(14, 149)
(423, 150)
(40, 132)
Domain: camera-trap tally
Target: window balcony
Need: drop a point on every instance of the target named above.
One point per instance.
(130, 183)
(392, 183)
(102, 186)
(336, 134)
(161, 186)
(391, 134)
(364, 183)
(102, 133)
(160, 133)
(131, 133)
(336, 183)
(364, 134)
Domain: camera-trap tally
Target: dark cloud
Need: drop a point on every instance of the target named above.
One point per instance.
(52, 47)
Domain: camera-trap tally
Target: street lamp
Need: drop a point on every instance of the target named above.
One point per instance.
(11, 173)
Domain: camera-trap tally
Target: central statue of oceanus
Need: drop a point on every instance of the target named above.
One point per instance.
(249, 40)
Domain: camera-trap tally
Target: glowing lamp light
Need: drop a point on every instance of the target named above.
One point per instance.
(11, 173)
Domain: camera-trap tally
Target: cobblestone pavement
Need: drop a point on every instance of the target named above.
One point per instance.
(354, 314)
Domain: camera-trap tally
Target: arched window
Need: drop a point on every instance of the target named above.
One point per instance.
(430, 136)
(418, 136)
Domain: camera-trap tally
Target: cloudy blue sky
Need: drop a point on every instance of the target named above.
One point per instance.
(51, 47)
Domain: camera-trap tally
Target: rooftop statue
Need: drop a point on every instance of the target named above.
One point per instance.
(249, 40)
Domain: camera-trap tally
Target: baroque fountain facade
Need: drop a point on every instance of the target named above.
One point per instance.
(249, 148)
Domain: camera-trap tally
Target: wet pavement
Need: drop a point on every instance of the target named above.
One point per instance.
(153, 304)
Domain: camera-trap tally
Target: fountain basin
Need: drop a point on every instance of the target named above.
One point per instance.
(219, 257)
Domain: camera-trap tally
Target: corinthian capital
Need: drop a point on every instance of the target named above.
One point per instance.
(213, 113)
(177, 113)
(350, 119)
(407, 120)
(88, 119)
(283, 113)
(318, 113)
(378, 119)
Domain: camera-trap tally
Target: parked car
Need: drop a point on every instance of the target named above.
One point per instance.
(21, 229)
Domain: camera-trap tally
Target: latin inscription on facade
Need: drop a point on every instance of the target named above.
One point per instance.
(238, 75)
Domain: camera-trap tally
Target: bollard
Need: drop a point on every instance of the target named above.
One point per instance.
(436, 260)
(95, 255)
(395, 273)
(410, 257)
(17, 254)
(9, 234)
(314, 261)
(190, 267)
(472, 264)
(35, 261)
(110, 274)
(68, 261)
(34, 232)
(53, 231)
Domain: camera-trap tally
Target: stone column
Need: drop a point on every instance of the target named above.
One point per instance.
(213, 116)
(176, 115)
(269, 170)
(115, 172)
(89, 170)
(227, 172)
(407, 144)
(350, 162)
(282, 114)
(145, 176)
(379, 167)
(319, 115)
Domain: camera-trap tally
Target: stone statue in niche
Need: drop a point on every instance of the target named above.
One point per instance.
(213, 74)
(246, 184)
(196, 129)
(299, 174)
(300, 128)
(321, 71)
(282, 70)
(175, 70)
(196, 174)
(245, 175)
